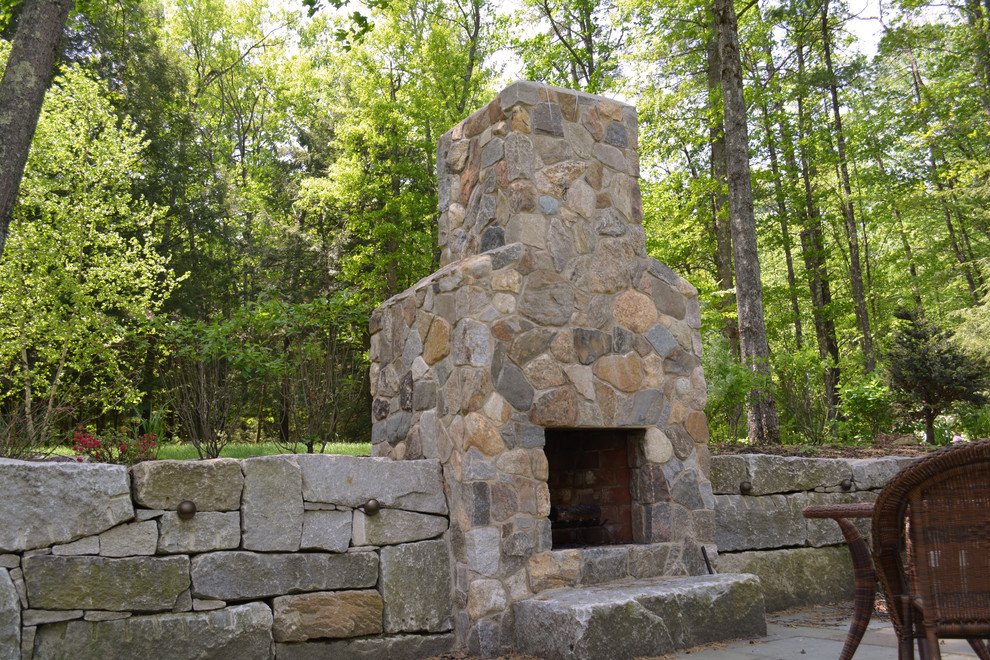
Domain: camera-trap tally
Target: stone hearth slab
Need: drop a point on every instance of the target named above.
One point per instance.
(647, 618)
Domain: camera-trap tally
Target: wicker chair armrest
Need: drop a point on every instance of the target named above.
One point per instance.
(836, 511)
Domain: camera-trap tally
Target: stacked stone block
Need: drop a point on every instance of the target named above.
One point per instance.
(760, 529)
(279, 560)
(546, 312)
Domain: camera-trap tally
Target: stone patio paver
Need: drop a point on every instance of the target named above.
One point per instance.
(816, 634)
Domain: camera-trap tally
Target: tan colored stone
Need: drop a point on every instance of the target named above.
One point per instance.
(497, 409)
(332, 614)
(505, 303)
(481, 433)
(544, 373)
(608, 402)
(507, 280)
(624, 372)
(455, 215)
(520, 119)
(697, 426)
(652, 371)
(556, 407)
(635, 311)
(542, 500)
(540, 466)
(678, 413)
(486, 597)
(551, 570)
(582, 380)
(437, 345)
(657, 447)
(515, 461)
(476, 385)
(609, 270)
(527, 228)
(562, 347)
(581, 198)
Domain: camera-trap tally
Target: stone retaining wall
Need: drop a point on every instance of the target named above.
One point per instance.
(279, 560)
(759, 528)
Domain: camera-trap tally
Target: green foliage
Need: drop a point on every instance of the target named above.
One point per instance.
(800, 393)
(974, 420)
(80, 279)
(928, 373)
(729, 383)
(867, 409)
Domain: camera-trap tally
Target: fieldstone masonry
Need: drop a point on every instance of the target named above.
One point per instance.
(278, 561)
(546, 313)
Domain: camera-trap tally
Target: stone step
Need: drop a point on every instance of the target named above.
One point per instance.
(648, 618)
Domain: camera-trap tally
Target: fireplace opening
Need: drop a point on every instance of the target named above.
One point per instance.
(590, 500)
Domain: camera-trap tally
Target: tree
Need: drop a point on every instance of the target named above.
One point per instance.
(929, 373)
(81, 279)
(761, 407)
(22, 91)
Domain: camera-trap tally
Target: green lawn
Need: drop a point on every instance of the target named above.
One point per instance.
(186, 451)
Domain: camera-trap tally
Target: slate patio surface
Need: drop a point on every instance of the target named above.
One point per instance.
(813, 633)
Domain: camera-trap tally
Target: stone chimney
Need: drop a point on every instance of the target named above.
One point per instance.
(550, 365)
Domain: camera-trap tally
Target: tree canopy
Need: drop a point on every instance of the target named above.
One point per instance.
(229, 164)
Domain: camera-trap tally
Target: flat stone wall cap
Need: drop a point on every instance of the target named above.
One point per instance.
(353, 480)
(377, 648)
(214, 485)
(875, 473)
(99, 583)
(272, 504)
(239, 575)
(239, 631)
(73, 499)
(770, 474)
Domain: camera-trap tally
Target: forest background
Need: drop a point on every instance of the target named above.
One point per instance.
(220, 191)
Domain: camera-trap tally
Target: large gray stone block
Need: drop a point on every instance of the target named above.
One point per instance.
(42, 504)
(207, 531)
(214, 485)
(241, 631)
(10, 619)
(642, 619)
(406, 647)
(753, 523)
(825, 531)
(327, 530)
(415, 583)
(352, 481)
(875, 473)
(393, 526)
(130, 540)
(796, 577)
(272, 505)
(239, 575)
(146, 584)
(783, 474)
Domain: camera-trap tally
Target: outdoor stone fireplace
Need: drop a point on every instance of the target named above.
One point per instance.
(550, 365)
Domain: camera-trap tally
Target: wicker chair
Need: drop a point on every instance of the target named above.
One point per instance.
(931, 548)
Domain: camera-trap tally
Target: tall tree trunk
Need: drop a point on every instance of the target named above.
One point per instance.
(852, 233)
(785, 233)
(912, 267)
(22, 91)
(813, 247)
(720, 202)
(761, 412)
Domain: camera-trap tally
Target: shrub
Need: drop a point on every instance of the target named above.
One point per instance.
(115, 446)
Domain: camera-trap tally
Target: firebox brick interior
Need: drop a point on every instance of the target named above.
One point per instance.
(550, 365)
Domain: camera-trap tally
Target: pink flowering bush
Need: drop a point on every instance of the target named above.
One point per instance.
(118, 447)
